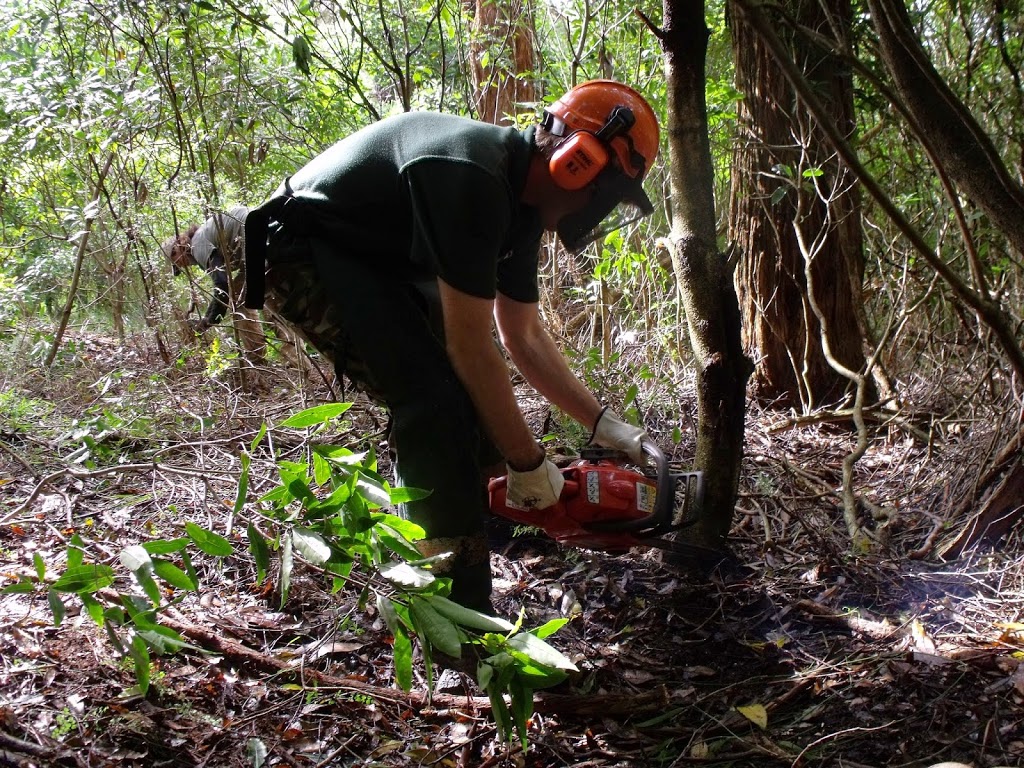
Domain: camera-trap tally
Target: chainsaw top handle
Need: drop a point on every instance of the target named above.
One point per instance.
(661, 518)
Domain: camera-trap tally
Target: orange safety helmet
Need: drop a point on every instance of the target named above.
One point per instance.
(599, 120)
(593, 118)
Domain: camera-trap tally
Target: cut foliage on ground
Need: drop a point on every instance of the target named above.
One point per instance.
(812, 656)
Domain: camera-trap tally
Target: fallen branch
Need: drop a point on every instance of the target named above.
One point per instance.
(605, 705)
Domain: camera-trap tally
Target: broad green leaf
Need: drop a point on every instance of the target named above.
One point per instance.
(467, 617)
(399, 546)
(260, 552)
(40, 565)
(173, 575)
(85, 578)
(405, 575)
(21, 586)
(386, 608)
(499, 710)
(319, 414)
(57, 607)
(92, 606)
(522, 708)
(373, 489)
(140, 657)
(403, 660)
(405, 495)
(144, 576)
(259, 437)
(549, 628)
(208, 541)
(405, 528)
(436, 628)
(76, 551)
(165, 640)
(541, 652)
(243, 483)
(310, 545)
(165, 546)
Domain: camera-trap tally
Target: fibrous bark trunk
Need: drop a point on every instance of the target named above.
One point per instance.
(794, 205)
(502, 55)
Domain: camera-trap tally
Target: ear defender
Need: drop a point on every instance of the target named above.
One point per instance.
(578, 160)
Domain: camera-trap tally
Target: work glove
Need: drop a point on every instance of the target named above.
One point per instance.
(536, 488)
(612, 432)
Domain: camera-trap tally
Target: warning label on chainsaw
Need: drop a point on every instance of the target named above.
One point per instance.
(645, 498)
(593, 488)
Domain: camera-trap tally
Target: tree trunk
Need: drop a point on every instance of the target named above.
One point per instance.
(956, 139)
(794, 204)
(502, 56)
(705, 282)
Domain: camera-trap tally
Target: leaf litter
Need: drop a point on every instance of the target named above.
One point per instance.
(812, 657)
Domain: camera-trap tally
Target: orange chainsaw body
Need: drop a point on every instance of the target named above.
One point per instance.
(598, 493)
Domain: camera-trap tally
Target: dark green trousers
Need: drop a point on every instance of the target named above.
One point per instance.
(388, 338)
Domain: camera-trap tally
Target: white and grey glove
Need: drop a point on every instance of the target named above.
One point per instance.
(612, 432)
(536, 488)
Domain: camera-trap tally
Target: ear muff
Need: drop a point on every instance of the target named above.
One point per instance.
(578, 160)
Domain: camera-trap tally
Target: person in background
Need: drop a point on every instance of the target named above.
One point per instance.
(399, 250)
(213, 245)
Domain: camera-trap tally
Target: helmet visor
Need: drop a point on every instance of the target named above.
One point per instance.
(618, 201)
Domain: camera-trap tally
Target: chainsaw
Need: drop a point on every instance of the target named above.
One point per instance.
(606, 506)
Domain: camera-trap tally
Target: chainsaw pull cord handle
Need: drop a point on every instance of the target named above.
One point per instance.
(661, 517)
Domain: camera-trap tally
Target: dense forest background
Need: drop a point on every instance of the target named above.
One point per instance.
(859, 228)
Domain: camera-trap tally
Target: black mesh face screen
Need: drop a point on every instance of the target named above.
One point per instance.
(618, 200)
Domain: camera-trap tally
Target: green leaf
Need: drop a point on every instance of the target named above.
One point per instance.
(259, 437)
(243, 483)
(20, 587)
(467, 617)
(76, 551)
(208, 541)
(165, 546)
(405, 528)
(403, 660)
(85, 578)
(310, 545)
(174, 576)
(165, 640)
(549, 628)
(522, 708)
(140, 657)
(499, 711)
(144, 576)
(57, 607)
(436, 628)
(40, 566)
(92, 607)
(539, 651)
(405, 495)
(260, 552)
(320, 414)
(405, 575)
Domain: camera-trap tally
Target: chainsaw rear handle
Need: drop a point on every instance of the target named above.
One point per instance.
(661, 518)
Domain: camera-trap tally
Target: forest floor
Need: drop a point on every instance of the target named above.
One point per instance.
(812, 657)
